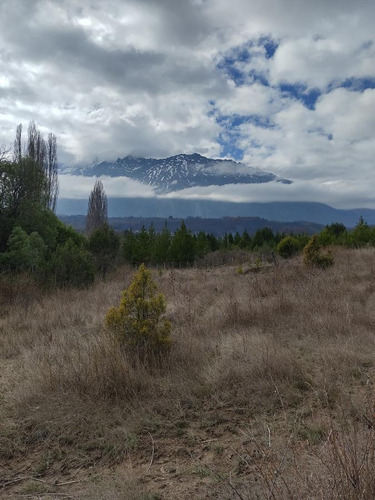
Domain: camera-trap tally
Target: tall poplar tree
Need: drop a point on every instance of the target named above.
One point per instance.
(97, 211)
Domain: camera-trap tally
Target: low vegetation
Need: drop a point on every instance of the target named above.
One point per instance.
(267, 392)
(313, 256)
(138, 323)
(237, 367)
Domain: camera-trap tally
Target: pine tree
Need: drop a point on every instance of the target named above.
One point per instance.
(183, 250)
(72, 265)
(104, 244)
(202, 244)
(162, 246)
(138, 323)
(313, 257)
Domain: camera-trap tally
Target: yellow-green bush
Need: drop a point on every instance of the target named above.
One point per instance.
(312, 255)
(288, 247)
(138, 323)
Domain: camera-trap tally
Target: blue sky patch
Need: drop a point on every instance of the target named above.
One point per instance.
(270, 46)
(229, 148)
(233, 121)
(354, 84)
(359, 84)
(301, 93)
(231, 63)
(228, 139)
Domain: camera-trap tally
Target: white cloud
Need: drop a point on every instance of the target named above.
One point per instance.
(336, 193)
(317, 62)
(334, 142)
(79, 187)
(139, 77)
(250, 100)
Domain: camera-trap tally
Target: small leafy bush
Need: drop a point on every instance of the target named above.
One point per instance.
(26, 253)
(72, 266)
(288, 247)
(239, 270)
(138, 322)
(312, 255)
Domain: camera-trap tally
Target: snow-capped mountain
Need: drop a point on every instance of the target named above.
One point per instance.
(180, 172)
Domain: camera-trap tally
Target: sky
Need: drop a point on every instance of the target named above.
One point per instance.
(284, 85)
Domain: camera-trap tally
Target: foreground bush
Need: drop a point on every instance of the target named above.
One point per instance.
(138, 322)
(312, 255)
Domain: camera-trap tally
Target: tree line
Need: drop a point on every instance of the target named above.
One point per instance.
(35, 242)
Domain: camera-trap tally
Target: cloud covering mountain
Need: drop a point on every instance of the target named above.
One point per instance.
(287, 86)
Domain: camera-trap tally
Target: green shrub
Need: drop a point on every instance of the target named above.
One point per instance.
(288, 247)
(312, 255)
(72, 265)
(104, 244)
(26, 253)
(361, 235)
(332, 234)
(138, 322)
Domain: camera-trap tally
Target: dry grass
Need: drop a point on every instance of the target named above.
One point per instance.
(276, 367)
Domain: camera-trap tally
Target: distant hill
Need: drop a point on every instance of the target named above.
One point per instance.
(318, 213)
(179, 172)
(215, 225)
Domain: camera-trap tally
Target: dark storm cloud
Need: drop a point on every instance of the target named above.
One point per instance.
(183, 23)
(69, 48)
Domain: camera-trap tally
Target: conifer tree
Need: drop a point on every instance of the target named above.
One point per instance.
(202, 244)
(313, 257)
(104, 244)
(162, 246)
(138, 323)
(183, 249)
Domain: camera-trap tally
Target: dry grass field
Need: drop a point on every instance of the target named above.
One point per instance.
(267, 393)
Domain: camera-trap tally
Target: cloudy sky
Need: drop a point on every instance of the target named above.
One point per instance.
(284, 85)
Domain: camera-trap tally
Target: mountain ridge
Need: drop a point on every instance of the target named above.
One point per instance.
(178, 172)
(316, 212)
(216, 226)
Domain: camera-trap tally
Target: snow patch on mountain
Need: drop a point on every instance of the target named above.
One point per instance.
(180, 172)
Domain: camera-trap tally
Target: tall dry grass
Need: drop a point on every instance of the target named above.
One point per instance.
(287, 348)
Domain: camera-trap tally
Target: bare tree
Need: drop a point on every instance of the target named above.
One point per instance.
(4, 154)
(17, 151)
(97, 211)
(44, 155)
(51, 170)
(36, 146)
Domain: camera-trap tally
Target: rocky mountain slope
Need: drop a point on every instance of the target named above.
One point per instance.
(180, 172)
